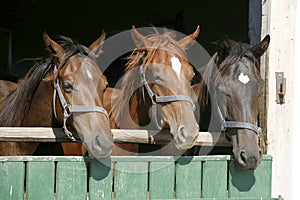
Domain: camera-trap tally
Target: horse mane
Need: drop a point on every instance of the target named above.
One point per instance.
(72, 47)
(217, 66)
(15, 107)
(131, 80)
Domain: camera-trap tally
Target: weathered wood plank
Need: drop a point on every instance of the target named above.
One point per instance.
(214, 182)
(40, 178)
(188, 178)
(162, 180)
(32, 134)
(71, 180)
(131, 179)
(12, 176)
(100, 179)
(43, 134)
(250, 183)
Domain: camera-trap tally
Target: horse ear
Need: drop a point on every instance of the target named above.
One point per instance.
(259, 49)
(190, 39)
(223, 47)
(54, 48)
(96, 46)
(140, 40)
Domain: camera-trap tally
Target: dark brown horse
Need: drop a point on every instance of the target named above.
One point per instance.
(63, 90)
(155, 91)
(231, 89)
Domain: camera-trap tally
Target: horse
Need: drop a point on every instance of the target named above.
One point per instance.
(6, 87)
(64, 90)
(155, 92)
(229, 96)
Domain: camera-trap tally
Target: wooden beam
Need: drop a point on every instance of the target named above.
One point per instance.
(42, 134)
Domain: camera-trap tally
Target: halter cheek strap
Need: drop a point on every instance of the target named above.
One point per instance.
(235, 124)
(68, 109)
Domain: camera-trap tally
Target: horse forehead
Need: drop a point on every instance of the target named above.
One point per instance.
(81, 66)
(176, 65)
(243, 78)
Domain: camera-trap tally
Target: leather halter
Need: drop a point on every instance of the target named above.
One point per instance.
(235, 124)
(68, 109)
(157, 99)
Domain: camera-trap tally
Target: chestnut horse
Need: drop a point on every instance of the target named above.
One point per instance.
(155, 92)
(63, 90)
(229, 97)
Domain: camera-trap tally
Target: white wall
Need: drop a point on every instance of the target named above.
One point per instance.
(282, 120)
(296, 116)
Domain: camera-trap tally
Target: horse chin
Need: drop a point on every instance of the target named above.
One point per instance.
(182, 147)
(97, 156)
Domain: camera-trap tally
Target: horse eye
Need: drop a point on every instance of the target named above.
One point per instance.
(68, 87)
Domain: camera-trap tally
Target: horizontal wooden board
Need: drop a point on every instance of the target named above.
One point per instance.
(44, 134)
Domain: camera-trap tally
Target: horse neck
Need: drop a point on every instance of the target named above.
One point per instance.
(40, 112)
(130, 114)
(139, 107)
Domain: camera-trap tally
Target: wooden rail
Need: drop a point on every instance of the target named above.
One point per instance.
(43, 134)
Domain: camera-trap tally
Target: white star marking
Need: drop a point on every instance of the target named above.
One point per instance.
(243, 78)
(176, 65)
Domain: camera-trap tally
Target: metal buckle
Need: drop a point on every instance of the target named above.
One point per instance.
(67, 111)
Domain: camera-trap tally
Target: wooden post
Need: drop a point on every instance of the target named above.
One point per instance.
(279, 21)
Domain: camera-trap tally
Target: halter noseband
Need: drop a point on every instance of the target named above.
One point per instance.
(158, 99)
(235, 124)
(68, 109)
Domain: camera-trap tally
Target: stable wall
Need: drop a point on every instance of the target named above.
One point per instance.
(279, 20)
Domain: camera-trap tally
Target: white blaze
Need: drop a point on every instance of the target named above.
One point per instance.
(243, 78)
(89, 74)
(176, 65)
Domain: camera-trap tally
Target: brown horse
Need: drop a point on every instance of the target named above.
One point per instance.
(63, 90)
(229, 96)
(155, 91)
(6, 87)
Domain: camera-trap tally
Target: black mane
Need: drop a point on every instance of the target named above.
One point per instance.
(233, 52)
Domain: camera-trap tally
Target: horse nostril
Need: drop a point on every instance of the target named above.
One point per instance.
(243, 156)
(242, 159)
(101, 147)
(181, 135)
(103, 143)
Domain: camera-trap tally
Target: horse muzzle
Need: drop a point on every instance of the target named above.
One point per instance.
(185, 139)
(100, 147)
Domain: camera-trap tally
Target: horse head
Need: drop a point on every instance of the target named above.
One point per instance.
(233, 80)
(78, 93)
(162, 74)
